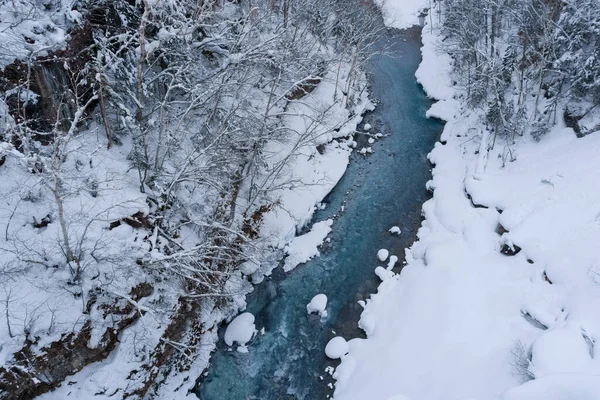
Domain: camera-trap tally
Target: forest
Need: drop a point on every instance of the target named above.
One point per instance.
(518, 60)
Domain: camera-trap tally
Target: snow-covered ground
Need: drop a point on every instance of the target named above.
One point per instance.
(471, 316)
(32, 30)
(401, 13)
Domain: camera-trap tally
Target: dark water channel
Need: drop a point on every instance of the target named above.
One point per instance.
(378, 191)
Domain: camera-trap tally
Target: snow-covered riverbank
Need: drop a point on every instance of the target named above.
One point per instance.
(139, 211)
(500, 294)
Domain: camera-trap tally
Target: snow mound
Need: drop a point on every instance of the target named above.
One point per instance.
(382, 255)
(240, 331)
(318, 305)
(305, 247)
(561, 350)
(336, 347)
(367, 127)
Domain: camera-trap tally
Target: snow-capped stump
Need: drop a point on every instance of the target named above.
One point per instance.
(367, 127)
(369, 150)
(371, 140)
(382, 254)
(363, 151)
(240, 331)
(317, 305)
(395, 230)
(383, 274)
(336, 348)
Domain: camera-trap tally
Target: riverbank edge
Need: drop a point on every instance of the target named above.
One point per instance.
(434, 76)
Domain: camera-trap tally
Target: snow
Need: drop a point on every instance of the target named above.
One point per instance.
(558, 387)
(240, 331)
(336, 347)
(305, 247)
(392, 262)
(25, 30)
(74, 16)
(367, 127)
(561, 350)
(249, 267)
(383, 273)
(462, 320)
(383, 254)
(317, 305)
(401, 14)
(395, 230)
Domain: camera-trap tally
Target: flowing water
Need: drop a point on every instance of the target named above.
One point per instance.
(378, 191)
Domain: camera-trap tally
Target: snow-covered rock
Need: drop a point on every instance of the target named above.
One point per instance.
(382, 255)
(395, 230)
(336, 347)
(318, 305)
(240, 331)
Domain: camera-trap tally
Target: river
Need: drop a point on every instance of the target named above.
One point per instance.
(378, 191)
